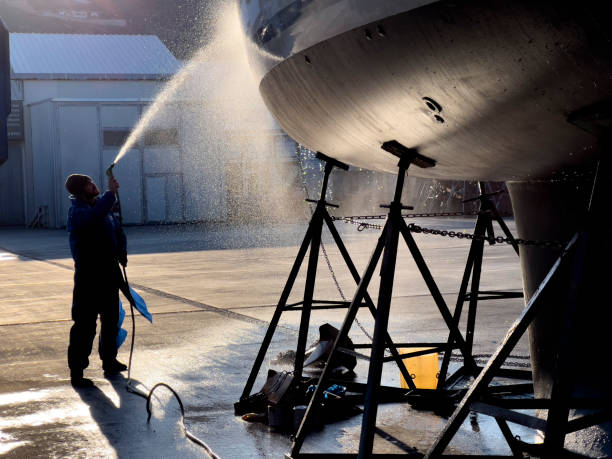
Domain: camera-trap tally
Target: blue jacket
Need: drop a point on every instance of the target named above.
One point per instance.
(96, 238)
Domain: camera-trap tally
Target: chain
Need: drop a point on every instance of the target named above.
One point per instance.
(361, 225)
(422, 215)
(452, 234)
(492, 240)
(323, 250)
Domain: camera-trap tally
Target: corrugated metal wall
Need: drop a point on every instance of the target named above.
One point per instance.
(5, 89)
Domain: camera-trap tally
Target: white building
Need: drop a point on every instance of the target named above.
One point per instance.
(76, 98)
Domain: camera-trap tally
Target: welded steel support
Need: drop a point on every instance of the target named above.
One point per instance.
(263, 349)
(475, 285)
(312, 240)
(438, 299)
(311, 275)
(384, 244)
(570, 274)
(479, 387)
(385, 292)
(387, 248)
(564, 379)
(483, 232)
(368, 301)
(343, 333)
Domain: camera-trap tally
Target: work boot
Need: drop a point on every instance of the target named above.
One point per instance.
(113, 367)
(77, 380)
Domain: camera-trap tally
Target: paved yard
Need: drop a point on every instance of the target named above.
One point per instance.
(211, 291)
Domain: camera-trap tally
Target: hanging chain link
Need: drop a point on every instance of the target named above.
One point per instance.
(354, 220)
(492, 240)
(421, 215)
(361, 225)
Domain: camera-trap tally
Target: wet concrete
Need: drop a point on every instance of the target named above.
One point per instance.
(211, 291)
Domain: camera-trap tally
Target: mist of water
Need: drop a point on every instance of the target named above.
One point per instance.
(176, 87)
(161, 101)
(234, 164)
(233, 159)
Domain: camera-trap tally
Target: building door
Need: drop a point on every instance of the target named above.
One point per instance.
(155, 188)
(117, 122)
(79, 149)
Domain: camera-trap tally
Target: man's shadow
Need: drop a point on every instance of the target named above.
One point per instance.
(123, 421)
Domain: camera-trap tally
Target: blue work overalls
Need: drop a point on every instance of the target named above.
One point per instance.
(97, 242)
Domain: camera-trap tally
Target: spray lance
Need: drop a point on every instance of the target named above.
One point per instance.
(117, 215)
(125, 288)
(117, 205)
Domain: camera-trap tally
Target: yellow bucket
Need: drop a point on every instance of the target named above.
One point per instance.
(423, 368)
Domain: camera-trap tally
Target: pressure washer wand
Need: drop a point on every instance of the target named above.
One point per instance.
(126, 292)
(109, 171)
(117, 205)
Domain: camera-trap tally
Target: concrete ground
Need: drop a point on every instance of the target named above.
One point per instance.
(212, 291)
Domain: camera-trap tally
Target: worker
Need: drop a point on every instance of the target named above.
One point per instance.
(98, 246)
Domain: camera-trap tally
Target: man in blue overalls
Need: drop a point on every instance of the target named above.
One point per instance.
(98, 245)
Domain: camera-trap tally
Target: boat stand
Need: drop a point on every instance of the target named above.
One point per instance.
(483, 232)
(557, 423)
(387, 248)
(312, 239)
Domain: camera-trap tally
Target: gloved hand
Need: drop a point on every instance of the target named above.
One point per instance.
(113, 184)
(123, 259)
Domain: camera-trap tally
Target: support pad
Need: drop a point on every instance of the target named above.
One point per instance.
(409, 154)
(332, 161)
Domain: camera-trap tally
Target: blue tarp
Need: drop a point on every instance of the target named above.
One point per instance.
(122, 335)
(140, 306)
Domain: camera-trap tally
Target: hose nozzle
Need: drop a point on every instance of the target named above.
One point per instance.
(109, 171)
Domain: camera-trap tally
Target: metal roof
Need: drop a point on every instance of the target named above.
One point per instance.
(97, 57)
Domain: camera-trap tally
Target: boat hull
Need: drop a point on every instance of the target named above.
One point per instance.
(489, 89)
(482, 87)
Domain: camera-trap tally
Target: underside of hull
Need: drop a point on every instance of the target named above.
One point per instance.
(515, 91)
(482, 87)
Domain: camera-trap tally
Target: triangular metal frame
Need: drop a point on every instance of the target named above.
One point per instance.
(483, 233)
(312, 240)
(557, 424)
(387, 248)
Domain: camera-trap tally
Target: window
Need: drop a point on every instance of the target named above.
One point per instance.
(115, 137)
(156, 137)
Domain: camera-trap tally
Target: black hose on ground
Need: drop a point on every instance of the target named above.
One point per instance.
(188, 434)
(137, 391)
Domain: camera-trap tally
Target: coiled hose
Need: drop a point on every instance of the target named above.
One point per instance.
(137, 391)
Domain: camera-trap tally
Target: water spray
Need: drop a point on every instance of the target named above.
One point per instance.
(179, 88)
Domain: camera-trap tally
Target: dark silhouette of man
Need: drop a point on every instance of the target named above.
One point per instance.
(98, 245)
